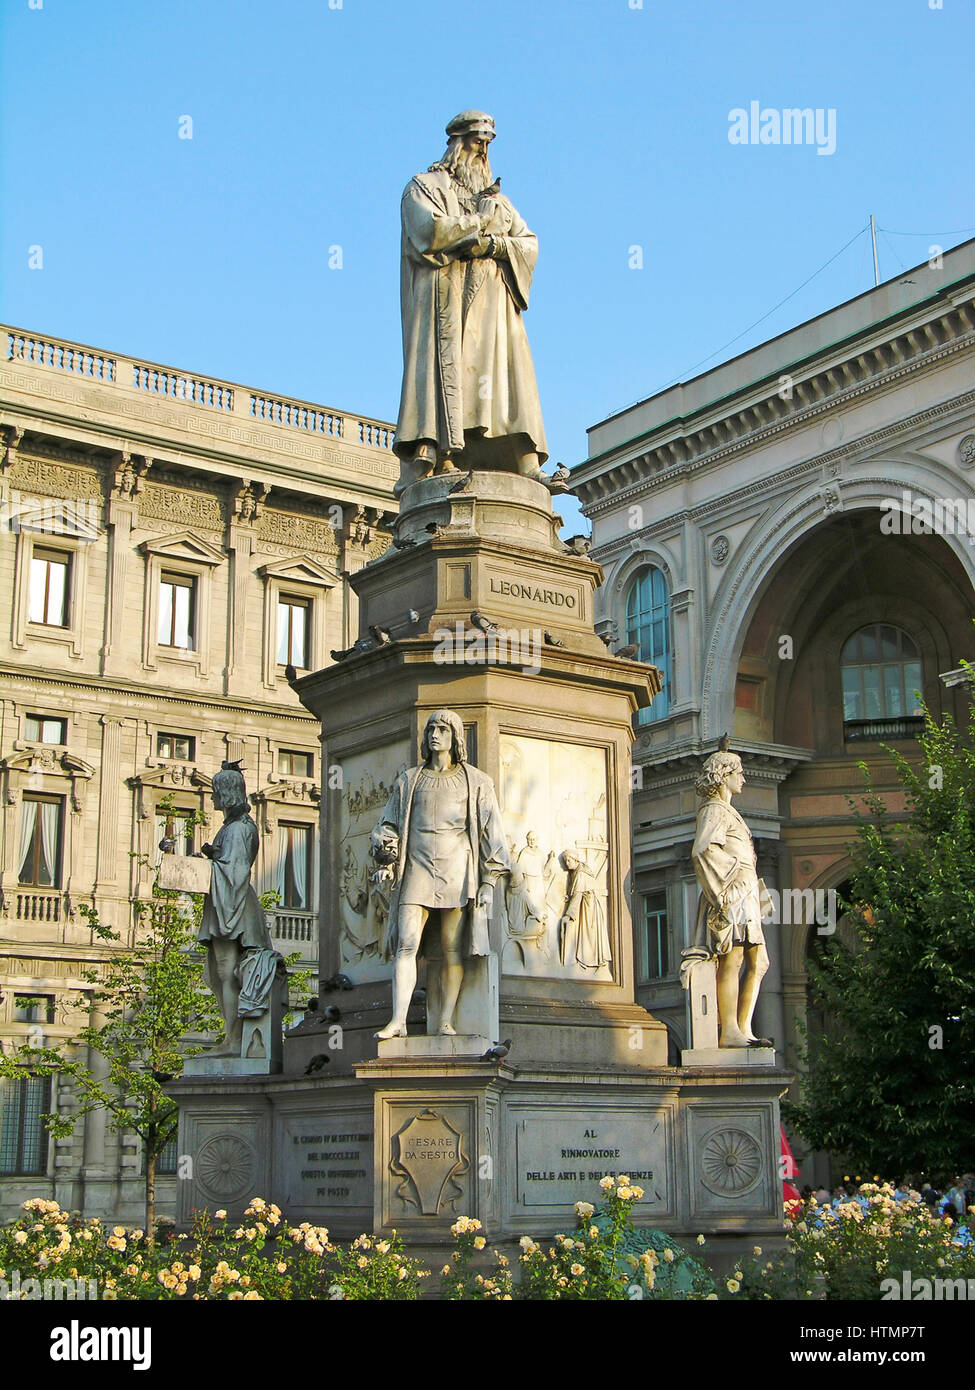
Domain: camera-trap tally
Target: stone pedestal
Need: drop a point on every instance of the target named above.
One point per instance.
(482, 610)
(414, 1143)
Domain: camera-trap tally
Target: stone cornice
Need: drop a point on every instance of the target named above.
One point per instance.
(156, 695)
(818, 464)
(688, 449)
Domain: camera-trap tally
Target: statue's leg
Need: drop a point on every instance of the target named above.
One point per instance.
(729, 967)
(411, 920)
(756, 964)
(225, 956)
(528, 466)
(420, 465)
(452, 969)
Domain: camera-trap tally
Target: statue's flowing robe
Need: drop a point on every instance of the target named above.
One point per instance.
(466, 361)
(730, 908)
(232, 912)
(486, 847)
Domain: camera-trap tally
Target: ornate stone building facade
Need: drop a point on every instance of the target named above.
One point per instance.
(169, 545)
(740, 518)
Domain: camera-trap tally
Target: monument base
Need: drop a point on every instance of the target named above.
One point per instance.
(414, 1142)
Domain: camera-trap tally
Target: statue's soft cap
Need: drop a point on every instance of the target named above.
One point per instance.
(472, 123)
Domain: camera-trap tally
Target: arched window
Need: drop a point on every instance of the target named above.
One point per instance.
(881, 672)
(648, 624)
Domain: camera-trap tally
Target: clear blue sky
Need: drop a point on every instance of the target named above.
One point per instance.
(212, 253)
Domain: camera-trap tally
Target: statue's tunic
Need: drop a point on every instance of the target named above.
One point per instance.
(466, 360)
(232, 912)
(586, 938)
(478, 853)
(440, 869)
(724, 860)
(231, 909)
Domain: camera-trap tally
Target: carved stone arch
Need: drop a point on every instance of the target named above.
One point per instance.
(760, 554)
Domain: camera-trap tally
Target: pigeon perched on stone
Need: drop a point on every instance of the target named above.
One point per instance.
(338, 981)
(361, 644)
(485, 624)
(498, 1052)
(312, 1006)
(381, 635)
(630, 652)
(291, 673)
(316, 1063)
(462, 483)
(552, 640)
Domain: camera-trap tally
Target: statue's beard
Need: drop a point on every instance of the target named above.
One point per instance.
(472, 171)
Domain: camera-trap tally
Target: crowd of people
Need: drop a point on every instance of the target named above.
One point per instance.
(955, 1202)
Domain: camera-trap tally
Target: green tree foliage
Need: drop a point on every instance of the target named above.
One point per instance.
(890, 1085)
(145, 1002)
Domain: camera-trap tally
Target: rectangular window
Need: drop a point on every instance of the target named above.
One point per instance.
(293, 877)
(168, 1158)
(23, 1136)
(41, 728)
(40, 841)
(174, 827)
(49, 588)
(179, 747)
(655, 935)
(33, 1008)
(293, 615)
(294, 763)
(177, 595)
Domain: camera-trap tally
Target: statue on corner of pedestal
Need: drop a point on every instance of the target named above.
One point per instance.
(733, 902)
(469, 397)
(242, 967)
(440, 848)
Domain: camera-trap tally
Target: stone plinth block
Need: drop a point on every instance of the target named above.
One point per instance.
(437, 1045)
(728, 1057)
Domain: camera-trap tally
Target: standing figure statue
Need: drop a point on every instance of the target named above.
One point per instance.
(440, 847)
(733, 901)
(585, 938)
(469, 394)
(241, 964)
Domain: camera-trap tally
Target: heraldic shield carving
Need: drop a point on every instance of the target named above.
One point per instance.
(428, 1154)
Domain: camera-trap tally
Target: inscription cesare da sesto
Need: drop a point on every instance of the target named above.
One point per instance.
(533, 592)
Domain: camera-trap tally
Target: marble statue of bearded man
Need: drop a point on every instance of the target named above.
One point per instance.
(469, 393)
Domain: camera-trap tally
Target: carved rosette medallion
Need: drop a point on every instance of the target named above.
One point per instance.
(428, 1155)
(731, 1162)
(966, 450)
(225, 1167)
(720, 549)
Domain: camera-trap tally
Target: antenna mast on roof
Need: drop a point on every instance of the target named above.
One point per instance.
(873, 238)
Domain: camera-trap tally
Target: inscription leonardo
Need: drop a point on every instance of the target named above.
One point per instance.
(510, 588)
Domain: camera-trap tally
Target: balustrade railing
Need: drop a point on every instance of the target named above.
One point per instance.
(34, 905)
(290, 924)
(156, 380)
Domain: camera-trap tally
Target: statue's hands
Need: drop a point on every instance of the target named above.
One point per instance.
(566, 922)
(385, 874)
(482, 247)
(485, 896)
(207, 851)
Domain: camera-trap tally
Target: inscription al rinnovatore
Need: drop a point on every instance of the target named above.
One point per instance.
(534, 593)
